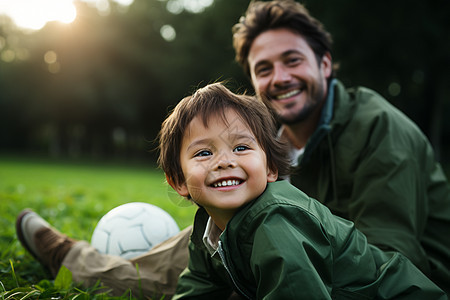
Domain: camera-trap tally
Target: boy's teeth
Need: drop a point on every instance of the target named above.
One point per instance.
(226, 183)
(288, 94)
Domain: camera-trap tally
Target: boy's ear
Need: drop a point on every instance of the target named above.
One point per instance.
(272, 176)
(181, 189)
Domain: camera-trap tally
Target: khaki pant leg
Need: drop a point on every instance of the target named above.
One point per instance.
(158, 269)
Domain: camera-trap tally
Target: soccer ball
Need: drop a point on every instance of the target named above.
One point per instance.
(132, 229)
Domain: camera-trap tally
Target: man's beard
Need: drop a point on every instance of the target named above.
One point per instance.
(302, 115)
(315, 97)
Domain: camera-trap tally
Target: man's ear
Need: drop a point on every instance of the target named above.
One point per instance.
(181, 189)
(327, 64)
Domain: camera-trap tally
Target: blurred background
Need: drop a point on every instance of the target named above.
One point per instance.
(94, 79)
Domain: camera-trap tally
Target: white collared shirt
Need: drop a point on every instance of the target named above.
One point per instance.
(293, 152)
(211, 236)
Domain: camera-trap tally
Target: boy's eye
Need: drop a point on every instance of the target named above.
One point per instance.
(240, 148)
(202, 153)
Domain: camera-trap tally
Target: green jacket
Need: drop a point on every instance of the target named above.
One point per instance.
(368, 163)
(285, 245)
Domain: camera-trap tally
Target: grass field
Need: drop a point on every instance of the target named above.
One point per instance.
(72, 197)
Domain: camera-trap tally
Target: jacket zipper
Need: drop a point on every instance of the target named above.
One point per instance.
(222, 257)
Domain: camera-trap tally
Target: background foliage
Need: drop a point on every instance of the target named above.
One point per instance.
(101, 86)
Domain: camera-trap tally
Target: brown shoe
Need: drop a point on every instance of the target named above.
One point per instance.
(44, 242)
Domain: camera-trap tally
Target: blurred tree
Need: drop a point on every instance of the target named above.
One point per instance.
(102, 85)
(398, 48)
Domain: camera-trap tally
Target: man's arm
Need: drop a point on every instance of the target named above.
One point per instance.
(389, 201)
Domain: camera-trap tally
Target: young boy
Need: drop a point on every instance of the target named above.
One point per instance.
(262, 237)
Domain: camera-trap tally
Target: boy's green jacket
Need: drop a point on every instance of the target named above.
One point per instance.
(285, 245)
(368, 163)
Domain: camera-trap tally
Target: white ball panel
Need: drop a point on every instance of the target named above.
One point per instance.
(132, 229)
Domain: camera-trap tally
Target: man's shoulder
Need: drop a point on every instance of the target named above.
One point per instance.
(366, 109)
(366, 122)
(362, 102)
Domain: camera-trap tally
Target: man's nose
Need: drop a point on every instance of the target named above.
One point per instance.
(280, 74)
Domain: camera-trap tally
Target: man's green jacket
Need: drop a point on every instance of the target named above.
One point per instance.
(368, 163)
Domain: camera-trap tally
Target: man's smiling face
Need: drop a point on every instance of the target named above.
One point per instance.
(285, 73)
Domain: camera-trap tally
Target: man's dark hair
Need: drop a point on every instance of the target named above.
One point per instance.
(262, 16)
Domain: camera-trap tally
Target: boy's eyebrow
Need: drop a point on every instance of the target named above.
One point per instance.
(238, 136)
(198, 142)
(234, 136)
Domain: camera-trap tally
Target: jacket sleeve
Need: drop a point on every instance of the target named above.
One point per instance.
(300, 256)
(392, 180)
(290, 258)
(204, 278)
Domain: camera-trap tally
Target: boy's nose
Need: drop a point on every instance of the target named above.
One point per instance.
(225, 162)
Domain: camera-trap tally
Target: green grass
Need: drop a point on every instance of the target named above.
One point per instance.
(72, 197)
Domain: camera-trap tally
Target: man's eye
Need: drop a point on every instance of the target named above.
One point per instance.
(203, 153)
(261, 71)
(240, 148)
(294, 60)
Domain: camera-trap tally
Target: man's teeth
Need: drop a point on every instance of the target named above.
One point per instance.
(226, 183)
(288, 94)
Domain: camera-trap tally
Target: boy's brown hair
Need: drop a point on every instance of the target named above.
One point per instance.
(262, 16)
(214, 100)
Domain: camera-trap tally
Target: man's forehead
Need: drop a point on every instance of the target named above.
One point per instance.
(276, 43)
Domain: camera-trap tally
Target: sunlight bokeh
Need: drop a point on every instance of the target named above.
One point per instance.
(33, 15)
(193, 6)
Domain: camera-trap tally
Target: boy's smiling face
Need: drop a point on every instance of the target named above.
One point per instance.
(223, 165)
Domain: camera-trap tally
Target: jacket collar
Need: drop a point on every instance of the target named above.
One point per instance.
(200, 221)
(327, 110)
(324, 126)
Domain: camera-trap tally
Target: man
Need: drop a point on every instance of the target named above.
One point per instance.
(351, 150)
